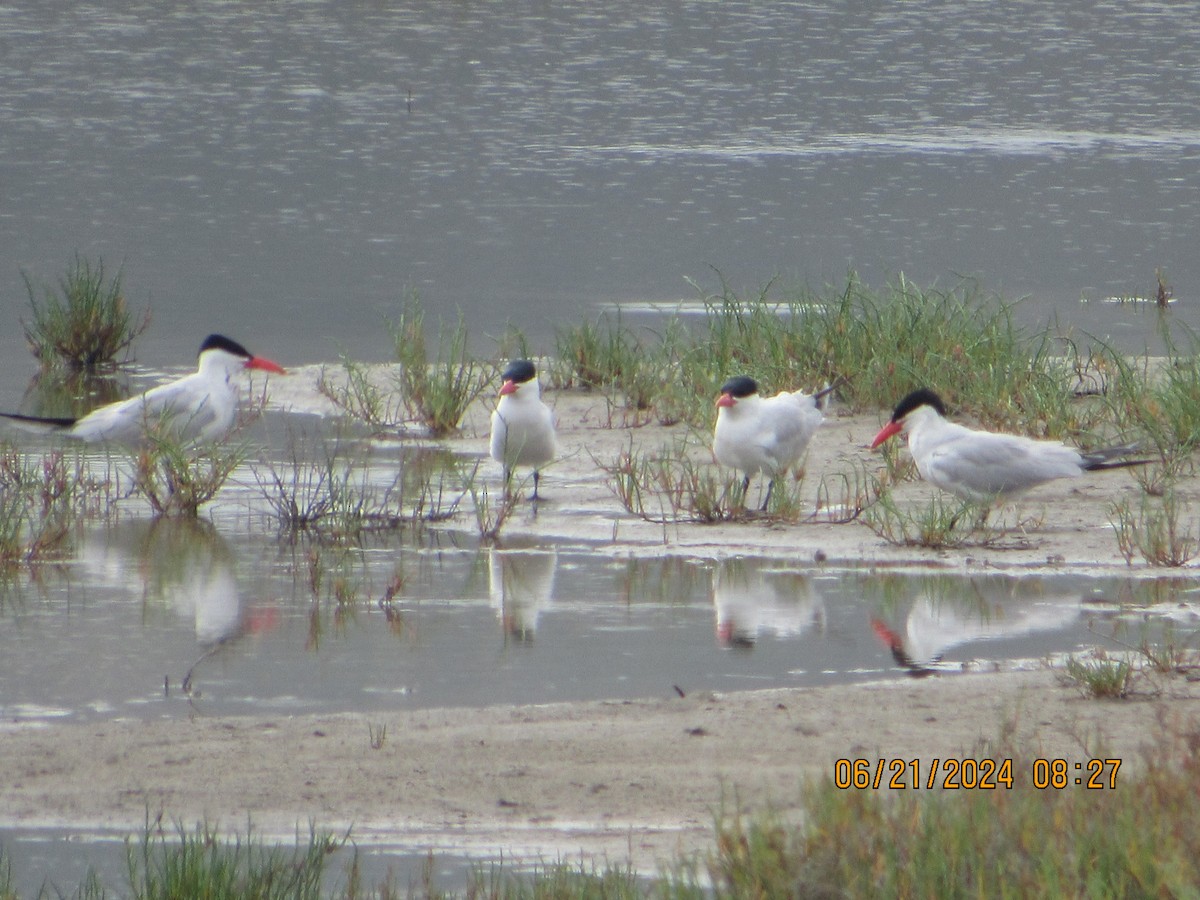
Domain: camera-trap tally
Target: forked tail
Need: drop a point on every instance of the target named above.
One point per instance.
(826, 391)
(1111, 458)
(40, 422)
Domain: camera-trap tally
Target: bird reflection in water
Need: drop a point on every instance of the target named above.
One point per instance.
(520, 586)
(947, 613)
(184, 565)
(753, 599)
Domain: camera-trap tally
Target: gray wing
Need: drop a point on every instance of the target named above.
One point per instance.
(795, 419)
(188, 413)
(981, 465)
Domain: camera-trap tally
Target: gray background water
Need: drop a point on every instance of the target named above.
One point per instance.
(287, 171)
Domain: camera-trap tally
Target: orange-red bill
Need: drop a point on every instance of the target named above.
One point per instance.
(726, 399)
(509, 387)
(258, 362)
(891, 428)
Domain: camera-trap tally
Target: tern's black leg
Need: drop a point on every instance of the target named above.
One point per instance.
(536, 477)
(767, 499)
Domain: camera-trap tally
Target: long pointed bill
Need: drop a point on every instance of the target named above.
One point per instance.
(258, 362)
(726, 400)
(887, 431)
(509, 387)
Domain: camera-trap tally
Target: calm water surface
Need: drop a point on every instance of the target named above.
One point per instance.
(174, 618)
(286, 172)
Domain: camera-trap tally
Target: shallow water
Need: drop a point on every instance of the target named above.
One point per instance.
(169, 618)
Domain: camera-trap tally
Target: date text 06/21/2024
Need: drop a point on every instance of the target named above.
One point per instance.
(971, 774)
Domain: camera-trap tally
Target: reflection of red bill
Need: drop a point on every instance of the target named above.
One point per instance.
(885, 634)
(262, 619)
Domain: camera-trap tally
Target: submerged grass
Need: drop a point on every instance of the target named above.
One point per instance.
(336, 490)
(42, 500)
(175, 479)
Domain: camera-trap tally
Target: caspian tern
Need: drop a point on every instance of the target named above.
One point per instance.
(199, 407)
(978, 610)
(763, 434)
(752, 600)
(982, 465)
(522, 425)
(521, 588)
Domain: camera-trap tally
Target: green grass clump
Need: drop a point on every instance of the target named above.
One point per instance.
(962, 342)
(1103, 677)
(671, 486)
(438, 392)
(435, 393)
(201, 863)
(1159, 399)
(883, 343)
(1134, 839)
(363, 396)
(639, 370)
(1160, 531)
(85, 325)
(877, 343)
(939, 524)
(175, 478)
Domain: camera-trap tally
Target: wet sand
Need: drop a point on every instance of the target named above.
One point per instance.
(624, 781)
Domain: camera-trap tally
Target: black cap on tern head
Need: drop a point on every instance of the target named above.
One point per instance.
(520, 371)
(918, 398)
(740, 386)
(220, 342)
